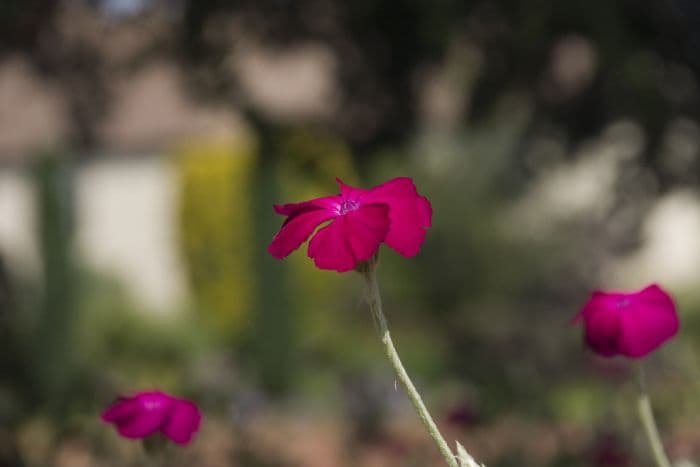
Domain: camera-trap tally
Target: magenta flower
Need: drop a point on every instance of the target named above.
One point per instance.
(360, 221)
(147, 413)
(632, 324)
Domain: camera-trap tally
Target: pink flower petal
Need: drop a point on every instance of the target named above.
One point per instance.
(141, 425)
(366, 228)
(602, 332)
(410, 214)
(653, 322)
(329, 248)
(153, 410)
(350, 238)
(350, 192)
(183, 423)
(631, 324)
(296, 230)
(121, 410)
(327, 202)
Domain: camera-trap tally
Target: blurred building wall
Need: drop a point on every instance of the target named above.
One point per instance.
(125, 225)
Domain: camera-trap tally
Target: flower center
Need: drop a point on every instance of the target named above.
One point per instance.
(347, 206)
(151, 405)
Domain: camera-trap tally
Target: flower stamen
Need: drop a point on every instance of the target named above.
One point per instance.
(347, 206)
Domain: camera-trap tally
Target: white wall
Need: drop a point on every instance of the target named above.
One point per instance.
(126, 226)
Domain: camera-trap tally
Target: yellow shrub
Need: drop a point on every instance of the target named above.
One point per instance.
(215, 228)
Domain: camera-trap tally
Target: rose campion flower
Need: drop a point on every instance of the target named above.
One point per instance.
(147, 413)
(360, 221)
(632, 324)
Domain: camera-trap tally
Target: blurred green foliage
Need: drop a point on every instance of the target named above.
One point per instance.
(215, 230)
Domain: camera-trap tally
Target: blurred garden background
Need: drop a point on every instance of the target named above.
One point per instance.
(143, 143)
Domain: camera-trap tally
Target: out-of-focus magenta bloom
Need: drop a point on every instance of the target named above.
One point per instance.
(609, 450)
(360, 221)
(632, 324)
(147, 413)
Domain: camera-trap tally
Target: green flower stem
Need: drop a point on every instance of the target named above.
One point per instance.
(156, 451)
(647, 417)
(368, 270)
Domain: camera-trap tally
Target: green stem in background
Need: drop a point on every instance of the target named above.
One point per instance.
(368, 270)
(647, 417)
(156, 449)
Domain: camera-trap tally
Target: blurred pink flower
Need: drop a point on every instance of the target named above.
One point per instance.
(463, 415)
(610, 450)
(360, 220)
(632, 324)
(146, 413)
